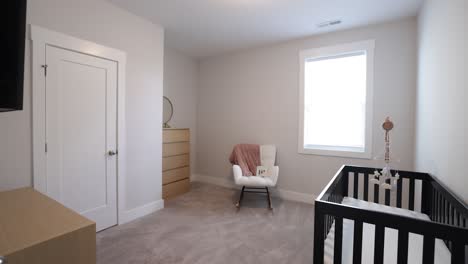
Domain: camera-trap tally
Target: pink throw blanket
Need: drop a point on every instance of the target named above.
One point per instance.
(247, 156)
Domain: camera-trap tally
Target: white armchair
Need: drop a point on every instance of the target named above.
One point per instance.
(258, 183)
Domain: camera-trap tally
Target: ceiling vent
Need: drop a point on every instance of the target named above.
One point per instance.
(329, 23)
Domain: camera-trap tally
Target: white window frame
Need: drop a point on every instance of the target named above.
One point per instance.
(368, 47)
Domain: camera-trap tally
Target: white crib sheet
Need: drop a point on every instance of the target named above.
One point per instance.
(415, 243)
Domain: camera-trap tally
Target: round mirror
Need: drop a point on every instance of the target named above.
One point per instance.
(168, 111)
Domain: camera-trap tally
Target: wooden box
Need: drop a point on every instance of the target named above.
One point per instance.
(35, 229)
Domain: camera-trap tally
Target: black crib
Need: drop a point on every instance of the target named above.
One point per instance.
(447, 213)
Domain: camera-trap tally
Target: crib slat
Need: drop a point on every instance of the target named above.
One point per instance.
(325, 227)
(399, 192)
(376, 193)
(338, 240)
(426, 198)
(357, 242)
(319, 237)
(411, 195)
(402, 256)
(447, 212)
(434, 205)
(431, 216)
(442, 209)
(366, 187)
(345, 184)
(442, 212)
(452, 215)
(379, 244)
(444, 217)
(439, 211)
(356, 185)
(387, 197)
(458, 252)
(428, 250)
(437, 206)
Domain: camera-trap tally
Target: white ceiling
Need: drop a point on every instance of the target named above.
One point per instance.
(203, 28)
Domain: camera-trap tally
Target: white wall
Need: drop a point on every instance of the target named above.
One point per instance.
(251, 97)
(103, 23)
(442, 115)
(180, 86)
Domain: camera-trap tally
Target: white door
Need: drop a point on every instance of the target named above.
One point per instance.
(81, 134)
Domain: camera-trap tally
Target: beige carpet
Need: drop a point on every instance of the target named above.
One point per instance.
(204, 227)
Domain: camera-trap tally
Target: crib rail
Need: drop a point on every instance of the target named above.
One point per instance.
(447, 213)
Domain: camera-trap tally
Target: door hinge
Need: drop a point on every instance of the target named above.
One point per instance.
(46, 147)
(45, 69)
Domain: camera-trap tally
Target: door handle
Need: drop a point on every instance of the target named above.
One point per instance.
(112, 153)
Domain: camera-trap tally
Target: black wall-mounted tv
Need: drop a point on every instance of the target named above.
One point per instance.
(12, 42)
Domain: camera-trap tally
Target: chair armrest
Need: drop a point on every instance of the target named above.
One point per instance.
(274, 176)
(237, 171)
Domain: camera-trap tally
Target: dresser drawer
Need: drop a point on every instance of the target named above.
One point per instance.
(176, 135)
(175, 188)
(175, 175)
(172, 149)
(174, 162)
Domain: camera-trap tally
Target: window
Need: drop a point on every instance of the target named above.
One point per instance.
(336, 100)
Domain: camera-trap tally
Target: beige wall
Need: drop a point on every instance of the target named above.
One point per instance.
(251, 97)
(442, 115)
(103, 23)
(180, 86)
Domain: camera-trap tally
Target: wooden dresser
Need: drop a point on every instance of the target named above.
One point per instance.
(35, 229)
(176, 162)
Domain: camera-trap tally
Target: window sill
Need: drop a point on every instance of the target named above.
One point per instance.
(336, 152)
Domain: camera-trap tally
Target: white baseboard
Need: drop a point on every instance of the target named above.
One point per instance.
(277, 192)
(141, 211)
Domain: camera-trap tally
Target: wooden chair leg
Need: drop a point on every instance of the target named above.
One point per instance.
(269, 199)
(240, 197)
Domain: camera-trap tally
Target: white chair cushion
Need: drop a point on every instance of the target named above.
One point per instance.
(267, 155)
(255, 181)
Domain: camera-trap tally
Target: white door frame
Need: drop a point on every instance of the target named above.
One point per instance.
(41, 38)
